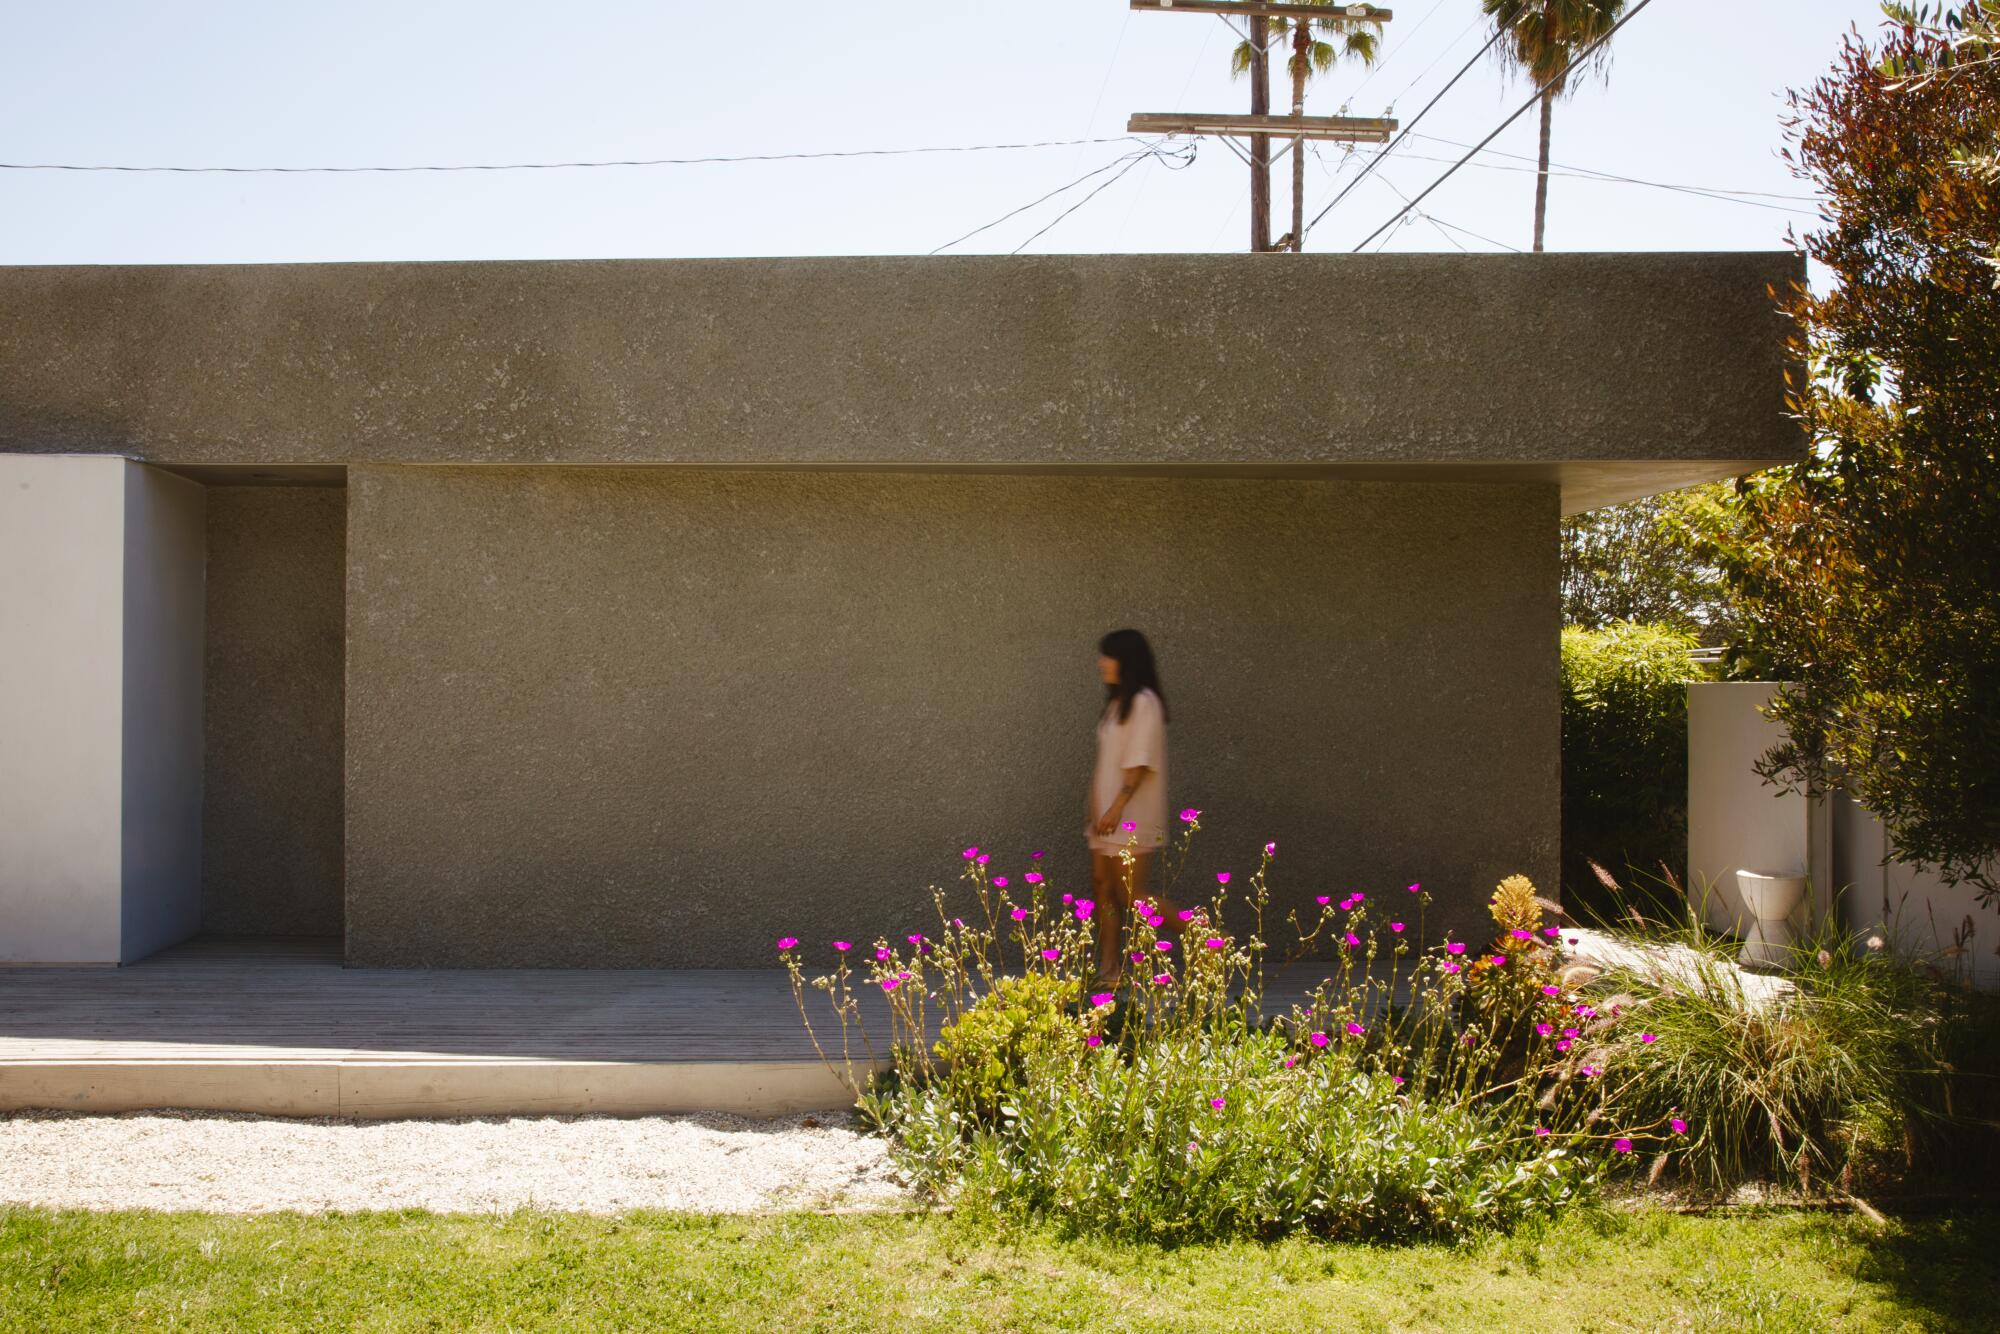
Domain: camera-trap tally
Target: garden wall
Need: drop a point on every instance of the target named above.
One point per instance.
(624, 717)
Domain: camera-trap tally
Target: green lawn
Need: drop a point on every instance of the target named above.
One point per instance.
(1592, 1271)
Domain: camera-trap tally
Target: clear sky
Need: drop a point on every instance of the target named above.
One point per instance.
(1694, 96)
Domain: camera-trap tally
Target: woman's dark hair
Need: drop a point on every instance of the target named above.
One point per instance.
(1136, 671)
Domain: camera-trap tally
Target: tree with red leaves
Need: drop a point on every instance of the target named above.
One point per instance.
(1869, 573)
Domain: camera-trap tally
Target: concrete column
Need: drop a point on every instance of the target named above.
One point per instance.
(101, 571)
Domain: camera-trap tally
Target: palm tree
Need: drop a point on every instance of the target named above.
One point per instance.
(1541, 38)
(1354, 38)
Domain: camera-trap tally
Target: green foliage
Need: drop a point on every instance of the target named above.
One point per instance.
(1869, 574)
(1543, 36)
(1422, 1090)
(986, 1050)
(1650, 560)
(1624, 747)
(1867, 1065)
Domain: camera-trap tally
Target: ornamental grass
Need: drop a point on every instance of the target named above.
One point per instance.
(1423, 1089)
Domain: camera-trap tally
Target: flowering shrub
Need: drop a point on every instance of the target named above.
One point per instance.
(1416, 1091)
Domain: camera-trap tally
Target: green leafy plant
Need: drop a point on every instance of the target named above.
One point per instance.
(1859, 1065)
(1624, 748)
(1867, 571)
(1419, 1090)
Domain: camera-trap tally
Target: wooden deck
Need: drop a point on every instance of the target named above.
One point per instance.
(282, 1027)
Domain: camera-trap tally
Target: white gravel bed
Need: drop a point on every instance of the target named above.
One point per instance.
(231, 1163)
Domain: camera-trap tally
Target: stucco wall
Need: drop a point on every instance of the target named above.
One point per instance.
(273, 811)
(62, 617)
(1061, 360)
(659, 717)
(160, 829)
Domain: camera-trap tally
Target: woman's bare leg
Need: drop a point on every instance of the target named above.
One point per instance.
(1107, 888)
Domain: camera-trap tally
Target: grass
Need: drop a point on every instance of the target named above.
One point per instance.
(1591, 1270)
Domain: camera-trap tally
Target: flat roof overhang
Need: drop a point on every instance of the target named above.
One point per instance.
(1610, 375)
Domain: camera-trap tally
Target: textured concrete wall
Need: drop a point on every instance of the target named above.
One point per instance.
(659, 717)
(1032, 361)
(273, 813)
(61, 629)
(160, 826)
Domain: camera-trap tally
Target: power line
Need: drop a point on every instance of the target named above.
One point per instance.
(1608, 178)
(1184, 153)
(1575, 60)
(1390, 147)
(567, 166)
(1630, 180)
(1126, 160)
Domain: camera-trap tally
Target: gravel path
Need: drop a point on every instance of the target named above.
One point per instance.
(250, 1164)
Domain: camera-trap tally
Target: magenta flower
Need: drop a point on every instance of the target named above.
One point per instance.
(1156, 922)
(958, 922)
(1319, 1039)
(1541, 1130)
(1084, 908)
(1590, 1071)
(1138, 956)
(882, 953)
(1163, 979)
(1163, 944)
(982, 859)
(1397, 1080)
(1036, 854)
(1571, 1033)
(1552, 931)
(1217, 1103)
(1397, 927)
(999, 882)
(1323, 899)
(1067, 898)
(970, 853)
(1544, 1029)
(1222, 877)
(1564, 1044)
(1622, 1145)
(1450, 967)
(787, 942)
(1033, 877)
(1518, 934)
(1680, 1126)
(843, 945)
(1093, 1041)
(1185, 914)
(1052, 954)
(890, 984)
(1103, 998)
(1129, 826)
(1354, 1030)
(1455, 947)
(1190, 815)
(1649, 1038)
(1143, 908)
(1552, 990)
(1019, 914)
(1414, 888)
(1499, 959)
(1215, 942)
(916, 940)
(1351, 940)
(1357, 896)
(1290, 1061)
(1586, 1012)
(1270, 849)
(1347, 905)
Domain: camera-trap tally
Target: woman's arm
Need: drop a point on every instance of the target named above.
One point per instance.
(1133, 777)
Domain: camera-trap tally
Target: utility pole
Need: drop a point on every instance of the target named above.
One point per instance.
(1260, 144)
(1260, 124)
